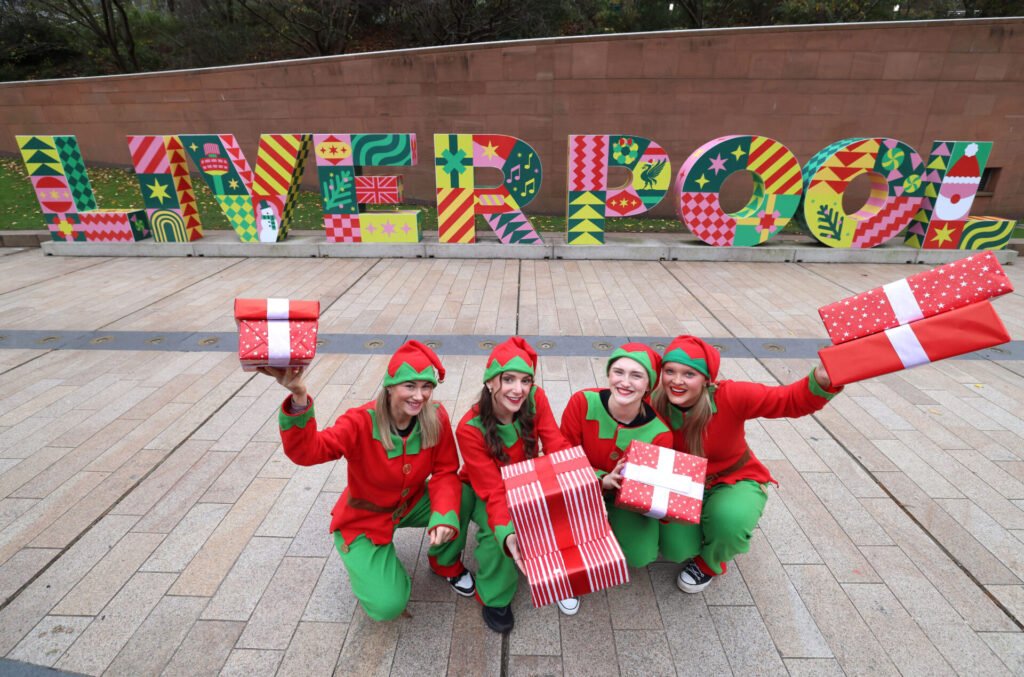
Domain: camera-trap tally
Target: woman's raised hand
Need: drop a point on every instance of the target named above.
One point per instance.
(292, 379)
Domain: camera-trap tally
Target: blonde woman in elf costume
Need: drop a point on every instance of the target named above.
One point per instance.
(510, 423)
(707, 418)
(392, 446)
(605, 421)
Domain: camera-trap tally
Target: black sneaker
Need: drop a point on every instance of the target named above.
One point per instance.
(499, 618)
(463, 584)
(692, 579)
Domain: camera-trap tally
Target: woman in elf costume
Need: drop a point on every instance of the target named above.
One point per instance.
(605, 421)
(707, 420)
(510, 423)
(392, 446)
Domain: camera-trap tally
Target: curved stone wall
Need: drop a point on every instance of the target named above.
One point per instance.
(804, 86)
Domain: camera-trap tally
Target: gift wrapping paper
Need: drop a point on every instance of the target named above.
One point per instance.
(662, 483)
(276, 332)
(925, 294)
(562, 526)
(959, 331)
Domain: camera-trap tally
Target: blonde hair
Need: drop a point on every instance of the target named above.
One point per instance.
(697, 417)
(430, 422)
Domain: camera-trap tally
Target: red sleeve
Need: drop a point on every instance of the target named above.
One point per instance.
(551, 438)
(444, 486)
(484, 473)
(305, 445)
(754, 400)
(573, 417)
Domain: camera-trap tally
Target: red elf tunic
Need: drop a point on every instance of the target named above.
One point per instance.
(587, 422)
(383, 486)
(483, 471)
(734, 402)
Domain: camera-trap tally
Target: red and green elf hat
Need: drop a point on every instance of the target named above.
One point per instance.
(414, 362)
(696, 353)
(515, 354)
(645, 355)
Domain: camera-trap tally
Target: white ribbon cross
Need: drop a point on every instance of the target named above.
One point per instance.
(664, 481)
(902, 300)
(279, 345)
(907, 346)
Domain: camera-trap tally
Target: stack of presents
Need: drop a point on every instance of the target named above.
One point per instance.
(556, 503)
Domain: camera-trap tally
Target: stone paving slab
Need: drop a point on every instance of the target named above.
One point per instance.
(149, 522)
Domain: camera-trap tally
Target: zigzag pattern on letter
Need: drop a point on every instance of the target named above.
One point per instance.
(237, 159)
(886, 223)
(589, 153)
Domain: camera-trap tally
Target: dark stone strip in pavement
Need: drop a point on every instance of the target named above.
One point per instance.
(444, 344)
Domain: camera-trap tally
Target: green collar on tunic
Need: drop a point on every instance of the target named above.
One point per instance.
(412, 443)
(677, 416)
(608, 428)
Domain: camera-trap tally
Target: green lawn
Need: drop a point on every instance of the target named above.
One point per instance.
(118, 189)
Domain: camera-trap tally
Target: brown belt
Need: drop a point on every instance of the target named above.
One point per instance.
(363, 504)
(742, 461)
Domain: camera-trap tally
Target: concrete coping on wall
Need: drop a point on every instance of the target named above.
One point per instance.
(620, 246)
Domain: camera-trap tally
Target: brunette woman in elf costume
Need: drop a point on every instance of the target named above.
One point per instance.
(604, 421)
(707, 418)
(510, 423)
(392, 446)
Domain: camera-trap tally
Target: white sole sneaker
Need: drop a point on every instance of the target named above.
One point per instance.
(686, 582)
(569, 606)
(463, 585)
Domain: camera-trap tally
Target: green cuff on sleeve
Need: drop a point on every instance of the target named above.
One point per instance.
(501, 532)
(288, 421)
(448, 519)
(818, 390)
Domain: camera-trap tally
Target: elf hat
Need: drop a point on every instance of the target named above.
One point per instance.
(696, 353)
(414, 362)
(515, 354)
(646, 356)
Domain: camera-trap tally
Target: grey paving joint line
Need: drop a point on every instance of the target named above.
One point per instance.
(444, 344)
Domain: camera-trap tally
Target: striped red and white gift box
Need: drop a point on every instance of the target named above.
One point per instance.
(562, 526)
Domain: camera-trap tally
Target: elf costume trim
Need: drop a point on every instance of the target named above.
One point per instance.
(386, 489)
(726, 526)
(497, 578)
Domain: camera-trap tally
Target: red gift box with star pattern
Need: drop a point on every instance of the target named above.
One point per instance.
(276, 332)
(925, 294)
(662, 483)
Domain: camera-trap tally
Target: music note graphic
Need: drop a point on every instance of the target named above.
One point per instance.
(516, 172)
(528, 187)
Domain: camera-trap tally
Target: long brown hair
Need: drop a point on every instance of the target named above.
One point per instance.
(527, 429)
(430, 422)
(697, 417)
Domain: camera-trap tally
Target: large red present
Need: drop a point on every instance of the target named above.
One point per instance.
(924, 294)
(562, 527)
(662, 483)
(276, 332)
(935, 338)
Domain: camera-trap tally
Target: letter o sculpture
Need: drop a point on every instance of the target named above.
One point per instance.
(897, 191)
(778, 184)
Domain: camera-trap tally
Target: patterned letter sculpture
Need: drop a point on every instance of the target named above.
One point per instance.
(951, 180)
(61, 181)
(778, 184)
(258, 204)
(342, 191)
(897, 191)
(459, 199)
(591, 200)
(162, 172)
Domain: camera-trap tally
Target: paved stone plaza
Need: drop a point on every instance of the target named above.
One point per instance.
(149, 522)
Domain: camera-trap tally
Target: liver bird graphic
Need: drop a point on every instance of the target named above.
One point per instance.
(650, 173)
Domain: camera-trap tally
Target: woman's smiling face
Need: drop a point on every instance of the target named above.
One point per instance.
(682, 384)
(509, 390)
(628, 381)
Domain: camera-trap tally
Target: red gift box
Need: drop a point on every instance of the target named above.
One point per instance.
(379, 190)
(662, 483)
(562, 527)
(925, 294)
(935, 338)
(276, 332)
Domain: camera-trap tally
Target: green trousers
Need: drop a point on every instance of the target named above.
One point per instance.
(379, 581)
(497, 577)
(727, 521)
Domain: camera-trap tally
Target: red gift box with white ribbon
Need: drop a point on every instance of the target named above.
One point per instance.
(662, 483)
(959, 331)
(922, 295)
(562, 527)
(276, 332)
